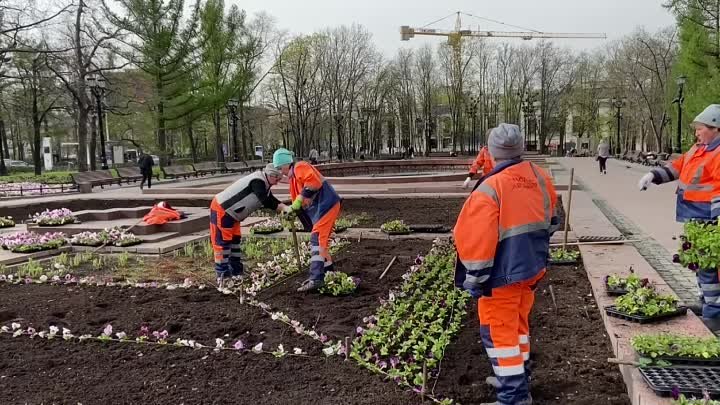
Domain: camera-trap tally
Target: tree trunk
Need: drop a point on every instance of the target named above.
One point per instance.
(219, 154)
(82, 122)
(191, 139)
(241, 110)
(36, 134)
(6, 150)
(93, 143)
(161, 136)
(3, 149)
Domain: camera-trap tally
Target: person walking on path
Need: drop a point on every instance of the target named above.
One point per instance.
(603, 155)
(502, 236)
(483, 163)
(313, 196)
(230, 207)
(698, 196)
(146, 164)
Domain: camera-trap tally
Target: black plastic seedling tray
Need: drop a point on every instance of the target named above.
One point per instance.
(396, 232)
(563, 262)
(265, 231)
(429, 228)
(691, 361)
(688, 379)
(616, 292)
(611, 311)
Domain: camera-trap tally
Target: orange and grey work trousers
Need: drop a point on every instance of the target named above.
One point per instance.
(225, 238)
(320, 260)
(505, 333)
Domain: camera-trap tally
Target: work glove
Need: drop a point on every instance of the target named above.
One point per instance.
(467, 182)
(297, 204)
(474, 290)
(645, 181)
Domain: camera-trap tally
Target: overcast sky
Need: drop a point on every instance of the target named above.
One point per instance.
(384, 17)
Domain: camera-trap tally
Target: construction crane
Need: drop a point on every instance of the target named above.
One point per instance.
(455, 36)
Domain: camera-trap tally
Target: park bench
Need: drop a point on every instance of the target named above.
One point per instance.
(204, 168)
(133, 174)
(237, 167)
(394, 156)
(255, 164)
(174, 172)
(87, 180)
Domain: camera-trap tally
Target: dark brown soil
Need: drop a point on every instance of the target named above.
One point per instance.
(338, 316)
(414, 211)
(57, 372)
(569, 351)
(202, 315)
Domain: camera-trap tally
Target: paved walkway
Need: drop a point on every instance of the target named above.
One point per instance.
(648, 215)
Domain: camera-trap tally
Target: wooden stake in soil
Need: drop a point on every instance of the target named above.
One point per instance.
(569, 207)
(388, 267)
(295, 243)
(552, 294)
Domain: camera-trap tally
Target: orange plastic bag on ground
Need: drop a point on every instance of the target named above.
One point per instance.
(161, 213)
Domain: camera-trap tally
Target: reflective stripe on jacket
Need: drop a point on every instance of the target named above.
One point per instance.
(503, 232)
(698, 176)
(307, 181)
(482, 161)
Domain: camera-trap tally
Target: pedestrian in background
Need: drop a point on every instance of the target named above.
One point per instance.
(603, 155)
(698, 196)
(146, 164)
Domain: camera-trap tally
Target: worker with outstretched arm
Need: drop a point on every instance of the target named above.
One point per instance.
(482, 164)
(317, 199)
(502, 236)
(698, 196)
(230, 207)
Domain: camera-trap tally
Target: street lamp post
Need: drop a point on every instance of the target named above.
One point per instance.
(679, 100)
(98, 86)
(618, 103)
(232, 105)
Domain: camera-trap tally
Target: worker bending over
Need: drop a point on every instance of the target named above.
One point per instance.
(312, 194)
(502, 237)
(230, 207)
(698, 196)
(483, 163)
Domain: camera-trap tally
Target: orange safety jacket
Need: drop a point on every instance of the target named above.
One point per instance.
(482, 161)
(161, 215)
(307, 181)
(502, 234)
(698, 176)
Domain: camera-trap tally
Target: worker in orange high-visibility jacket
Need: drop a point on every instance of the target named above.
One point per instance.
(698, 196)
(483, 163)
(502, 237)
(317, 199)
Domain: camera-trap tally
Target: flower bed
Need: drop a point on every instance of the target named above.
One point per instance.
(267, 227)
(111, 236)
(414, 326)
(6, 222)
(61, 216)
(395, 227)
(28, 242)
(32, 188)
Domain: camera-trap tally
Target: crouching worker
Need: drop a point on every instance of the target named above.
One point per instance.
(316, 198)
(230, 207)
(502, 237)
(483, 163)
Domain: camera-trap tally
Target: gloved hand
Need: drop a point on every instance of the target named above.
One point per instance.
(645, 181)
(284, 209)
(297, 204)
(467, 182)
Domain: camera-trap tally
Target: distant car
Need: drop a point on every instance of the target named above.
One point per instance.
(156, 160)
(16, 163)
